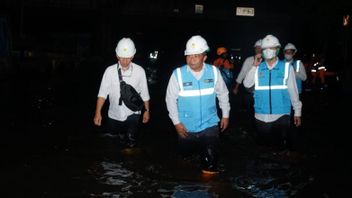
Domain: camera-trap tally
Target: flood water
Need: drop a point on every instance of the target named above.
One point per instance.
(50, 147)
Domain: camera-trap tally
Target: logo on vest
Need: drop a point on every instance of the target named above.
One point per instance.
(209, 80)
(261, 74)
(187, 84)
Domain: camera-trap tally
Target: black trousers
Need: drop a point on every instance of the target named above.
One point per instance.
(126, 131)
(277, 134)
(204, 143)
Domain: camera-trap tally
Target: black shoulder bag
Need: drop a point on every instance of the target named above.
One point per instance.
(129, 96)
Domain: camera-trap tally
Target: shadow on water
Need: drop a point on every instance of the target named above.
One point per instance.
(53, 147)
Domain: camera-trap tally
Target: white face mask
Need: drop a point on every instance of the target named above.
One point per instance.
(288, 57)
(269, 53)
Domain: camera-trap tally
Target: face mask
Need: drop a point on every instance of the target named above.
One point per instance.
(288, 57)
(269, 53)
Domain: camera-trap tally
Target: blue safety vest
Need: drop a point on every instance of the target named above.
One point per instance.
(271, 95)
(197, 99)
(296, 66)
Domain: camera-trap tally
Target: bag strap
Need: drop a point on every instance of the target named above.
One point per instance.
(120, 80)
(120, 74)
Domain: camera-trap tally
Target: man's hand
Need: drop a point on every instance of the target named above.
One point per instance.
(181, 130)
(146, 117)
(236, 89)
(257, 59)
(224, 124)
(97, 119)
(297, 121)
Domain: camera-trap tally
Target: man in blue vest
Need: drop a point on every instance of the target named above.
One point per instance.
(275, 89)
(290, 51)
(191, 102)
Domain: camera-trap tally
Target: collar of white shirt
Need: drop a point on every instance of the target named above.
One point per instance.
(128, 72)
(198, 74)
(271, 67)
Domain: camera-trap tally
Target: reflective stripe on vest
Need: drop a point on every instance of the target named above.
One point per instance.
(297, 65)
(201, 92)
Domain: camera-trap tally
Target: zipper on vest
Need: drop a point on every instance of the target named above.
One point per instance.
(200, 104)
(270, 105)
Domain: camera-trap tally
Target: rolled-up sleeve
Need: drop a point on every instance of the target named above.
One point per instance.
(104, 85)
(144, 87)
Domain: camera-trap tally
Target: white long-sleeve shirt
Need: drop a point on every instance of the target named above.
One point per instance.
(110, 86)
(246, 66)
(249, 81)
(173, 90)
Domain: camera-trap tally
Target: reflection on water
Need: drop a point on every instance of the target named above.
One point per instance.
(271, 179)
(261, 177)
(192, 191)
(271, 176)
(114, 174)
(130, 183)
(127, 182)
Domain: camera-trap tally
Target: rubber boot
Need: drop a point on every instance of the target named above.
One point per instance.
(210, 160)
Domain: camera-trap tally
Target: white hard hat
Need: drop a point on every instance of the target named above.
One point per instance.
(125, 48)
(270, 41)
(196, 45)
(258, 43)
(290, 46)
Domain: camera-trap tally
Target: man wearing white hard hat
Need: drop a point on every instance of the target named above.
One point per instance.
(290, 51)
(191, 101)
(247, 65)
(275, 92)
(121, 119)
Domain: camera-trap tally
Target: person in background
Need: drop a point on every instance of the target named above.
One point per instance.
(275, 90)
(290, 51)
(191, 102)
(225, 65)
(223, 59)
(121, 119)
(246, 66)
(319, 73)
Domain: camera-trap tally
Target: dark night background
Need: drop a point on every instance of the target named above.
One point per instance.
(53, 54)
